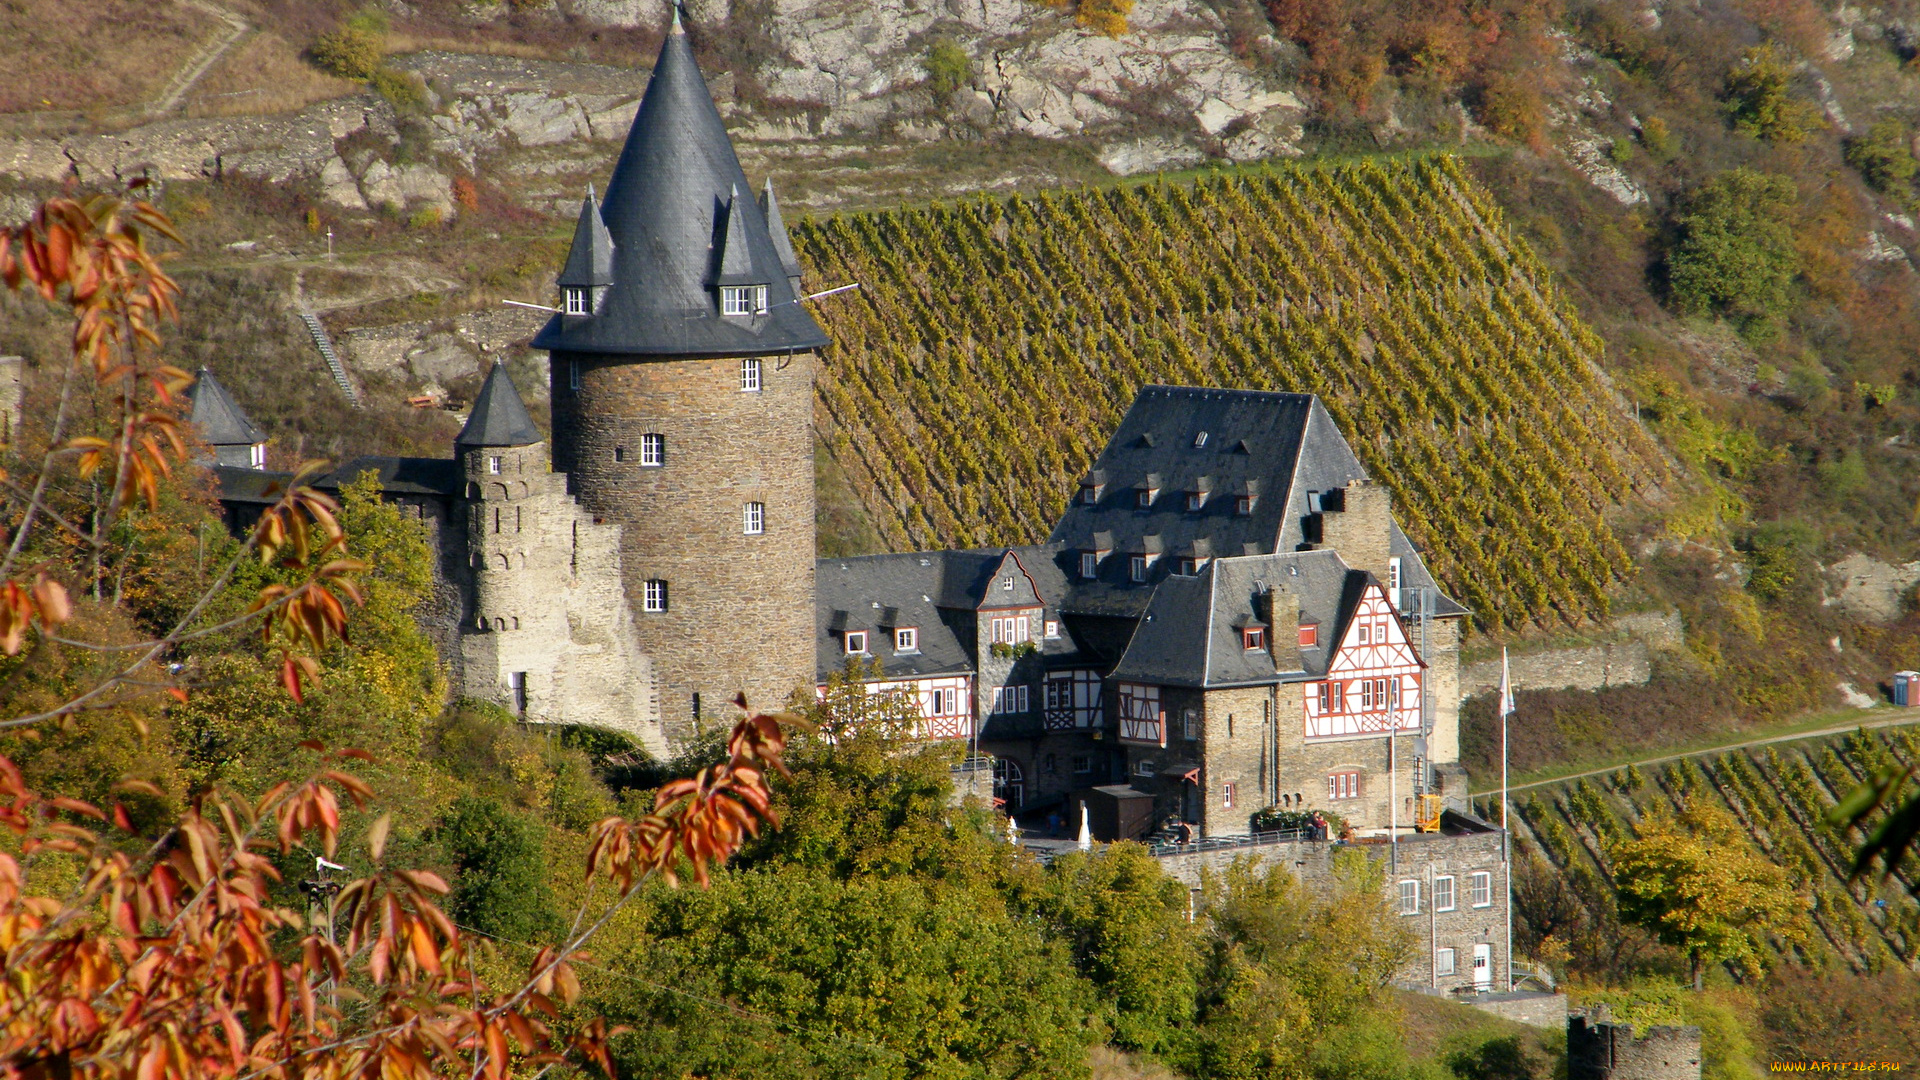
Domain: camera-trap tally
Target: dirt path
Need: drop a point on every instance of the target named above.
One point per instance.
(198, 65)
(1901, 718)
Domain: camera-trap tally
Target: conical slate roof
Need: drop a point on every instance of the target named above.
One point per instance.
(499, 416)
(782, 246)
(220, 419)
(590, 262)
(667, 212)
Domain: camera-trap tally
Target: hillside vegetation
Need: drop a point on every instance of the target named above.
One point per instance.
(1778, 795)
(994, 344)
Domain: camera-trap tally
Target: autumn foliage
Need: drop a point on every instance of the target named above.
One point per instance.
(128, 950)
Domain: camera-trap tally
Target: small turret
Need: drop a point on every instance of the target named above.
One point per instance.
(499, 417)
(224, 426)
(584, 279)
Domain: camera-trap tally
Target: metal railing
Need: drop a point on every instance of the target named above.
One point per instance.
(1164, 848)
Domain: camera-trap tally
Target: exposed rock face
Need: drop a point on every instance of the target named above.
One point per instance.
(1866, 588)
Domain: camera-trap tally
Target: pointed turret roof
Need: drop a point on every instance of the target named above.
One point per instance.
(782, 246)
(590, 262)
(671, 213)
(499, 416)
(220, 419)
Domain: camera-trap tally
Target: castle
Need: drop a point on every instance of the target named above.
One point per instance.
(1226, 619)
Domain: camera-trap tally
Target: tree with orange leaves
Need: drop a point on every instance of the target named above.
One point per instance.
(159, 952)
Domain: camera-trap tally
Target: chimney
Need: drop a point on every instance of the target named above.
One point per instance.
(1361, 530)
(1283, 629)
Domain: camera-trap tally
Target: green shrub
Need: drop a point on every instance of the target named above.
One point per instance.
(1660, 141)
(1758, 99)
(404, 89)
(501, 885)
(948, 67)
(1883, 157)
(349, 53)
(1845, 476)
(1734, 254)
(1777, 557)
(1621, 150)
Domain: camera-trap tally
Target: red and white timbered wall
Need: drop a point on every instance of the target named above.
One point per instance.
(1373, 679)
(946, 704)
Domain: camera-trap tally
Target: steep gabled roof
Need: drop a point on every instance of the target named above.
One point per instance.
(666, 211)
(219, 418)
(590, 260)
(499, 416)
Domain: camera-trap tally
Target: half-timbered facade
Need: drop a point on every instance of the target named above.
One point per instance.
(1226, 618)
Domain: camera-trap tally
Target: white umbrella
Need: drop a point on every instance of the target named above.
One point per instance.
(1086, 834)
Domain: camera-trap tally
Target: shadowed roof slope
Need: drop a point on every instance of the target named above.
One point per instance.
(220, 419)
(667, 212)
(499, 416)
(590, 262)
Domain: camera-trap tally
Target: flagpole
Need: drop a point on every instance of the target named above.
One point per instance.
(1506, 837)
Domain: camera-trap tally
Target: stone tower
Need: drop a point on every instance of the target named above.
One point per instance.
(549, 633)
(682, 374)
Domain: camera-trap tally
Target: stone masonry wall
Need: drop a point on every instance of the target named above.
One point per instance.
(1589, 667)
(548, 604)
(1420, 859)
(1598, 1049)
(739, 614)
(1303, 765)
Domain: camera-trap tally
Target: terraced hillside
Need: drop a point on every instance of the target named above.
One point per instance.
(995, 343)
(1780, 794)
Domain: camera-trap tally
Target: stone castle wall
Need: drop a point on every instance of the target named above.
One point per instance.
(1598, 1049)
(739, 612)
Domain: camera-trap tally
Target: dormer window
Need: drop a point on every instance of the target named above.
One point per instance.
(1089, 564)
(1309, 635)
(576, 301)
(906, 639)
(1200, 440)
(743, 300)
(1137, 568)
(1243, 505)
(1089, 494)
(1253, 637)
(856, 642)
(1188, 567)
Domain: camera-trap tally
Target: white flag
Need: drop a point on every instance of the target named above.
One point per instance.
(1506, 685)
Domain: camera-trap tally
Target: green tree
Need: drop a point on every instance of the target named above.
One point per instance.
(1884, 157)
(1758, 97)
(500, 885)
(1734, 253)
(948, 67)
(1697, 884)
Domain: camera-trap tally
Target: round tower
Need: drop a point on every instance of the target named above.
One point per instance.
(682, 389)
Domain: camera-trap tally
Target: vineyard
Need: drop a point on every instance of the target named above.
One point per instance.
(994, 344)
(1780, 795)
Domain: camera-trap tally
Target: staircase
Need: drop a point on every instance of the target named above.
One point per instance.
(321, 339)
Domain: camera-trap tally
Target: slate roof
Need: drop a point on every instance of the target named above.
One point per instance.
(590, 260)
(777, 228)
(677, 207)
(220, 419)
(398, 476)
(1276, 446)
(1189, 634)
(934, 591)
(499, 417)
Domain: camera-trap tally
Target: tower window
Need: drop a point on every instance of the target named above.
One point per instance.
(655, 597)
(576, 301)
(653, 450)
(493, 465)
(619, 453)
(573, 374)
(743, 300)
(517, 689)
(753, 519)
(750, 375)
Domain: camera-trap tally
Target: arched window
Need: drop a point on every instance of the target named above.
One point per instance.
(1009, 784)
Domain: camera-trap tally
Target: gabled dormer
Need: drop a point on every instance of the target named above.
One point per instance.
(584, 279)
(741, 286)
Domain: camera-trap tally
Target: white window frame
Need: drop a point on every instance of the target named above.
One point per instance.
(1089, 564)
(856, 643)
(1137, 568)
(1243, 505)
(576, 300)
(493, 465)
(653, 450)
(1052, 629)
(1226, 795)
(1482, 885)
(906, 639)
(946, 701)
(1344, 785)
(1143, 498)
(1443, 893)
(1009, 630)
(1011, 699)
(654, 595)
(1443, 962)
(750, 381)
(1196, 501)
(743, 299)
(1409, 896)
(753, 519)
(257, 455)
